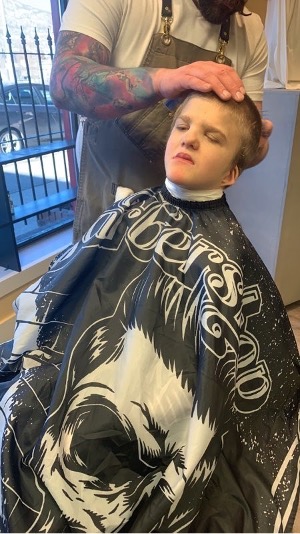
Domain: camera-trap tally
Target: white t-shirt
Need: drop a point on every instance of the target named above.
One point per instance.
(126, 27)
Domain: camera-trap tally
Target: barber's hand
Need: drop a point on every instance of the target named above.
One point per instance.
(267, 128)
(203, 76)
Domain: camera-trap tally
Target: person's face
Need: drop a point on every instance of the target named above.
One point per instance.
(203, 143)
(216, 11)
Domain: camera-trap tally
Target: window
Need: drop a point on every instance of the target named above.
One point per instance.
(37, 157)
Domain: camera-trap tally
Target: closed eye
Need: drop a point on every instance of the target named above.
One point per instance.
(181, 126)
(214, 135)
(182, 123)
(213, 138)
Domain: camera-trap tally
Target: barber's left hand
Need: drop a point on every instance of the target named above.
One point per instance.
(267, 128)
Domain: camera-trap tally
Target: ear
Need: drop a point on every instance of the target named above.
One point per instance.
(231, 177)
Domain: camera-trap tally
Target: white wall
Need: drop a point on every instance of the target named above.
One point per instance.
(261, 199)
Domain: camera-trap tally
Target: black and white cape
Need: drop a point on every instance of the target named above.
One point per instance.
(153, 380)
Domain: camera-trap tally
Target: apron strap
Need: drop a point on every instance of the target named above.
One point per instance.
(225, 30)
(166, 8)
(167, 17)
(166, 11)
(223, 40)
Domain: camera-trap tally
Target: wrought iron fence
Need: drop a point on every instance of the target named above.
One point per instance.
(37, 162)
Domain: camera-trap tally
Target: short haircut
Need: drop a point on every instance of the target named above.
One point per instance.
(248, 121)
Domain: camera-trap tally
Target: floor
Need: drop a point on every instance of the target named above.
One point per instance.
(294, 315)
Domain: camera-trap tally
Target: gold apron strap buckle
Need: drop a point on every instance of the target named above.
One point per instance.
(223, 41)
(220, 57)
(166, 37)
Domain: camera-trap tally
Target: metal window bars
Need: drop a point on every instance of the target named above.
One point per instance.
(38, 171)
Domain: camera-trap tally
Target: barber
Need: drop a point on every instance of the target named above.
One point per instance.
(121, 65)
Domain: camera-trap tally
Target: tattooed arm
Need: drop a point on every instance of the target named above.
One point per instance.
(82, 80)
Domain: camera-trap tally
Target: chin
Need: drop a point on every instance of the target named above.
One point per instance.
(178, 180)
(183, 181)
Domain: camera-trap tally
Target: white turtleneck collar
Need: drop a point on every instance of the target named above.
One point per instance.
(188, 194)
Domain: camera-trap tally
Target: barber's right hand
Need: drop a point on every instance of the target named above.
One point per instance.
(203, 76)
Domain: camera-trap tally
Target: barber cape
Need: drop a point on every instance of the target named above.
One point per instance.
(152, 382)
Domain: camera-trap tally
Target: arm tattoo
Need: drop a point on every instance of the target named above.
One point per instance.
(82, 80)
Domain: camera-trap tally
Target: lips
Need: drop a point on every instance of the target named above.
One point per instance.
(185, 157)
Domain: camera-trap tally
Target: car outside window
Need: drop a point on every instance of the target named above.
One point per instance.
(9, 99)
(11, 96)
(45, 93)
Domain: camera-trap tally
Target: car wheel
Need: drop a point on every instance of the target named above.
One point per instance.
(8, 144)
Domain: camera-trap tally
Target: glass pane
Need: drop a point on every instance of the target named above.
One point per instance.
(41, 191)
(33, 180)
(38, 225)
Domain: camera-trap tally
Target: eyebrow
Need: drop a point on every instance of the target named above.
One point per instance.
(209, 127)
(185, 118)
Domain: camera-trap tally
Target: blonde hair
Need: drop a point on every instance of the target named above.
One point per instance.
(248, 121)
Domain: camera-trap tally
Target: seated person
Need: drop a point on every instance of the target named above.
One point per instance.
(152, 382)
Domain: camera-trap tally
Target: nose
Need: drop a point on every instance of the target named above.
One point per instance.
(190, 140)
